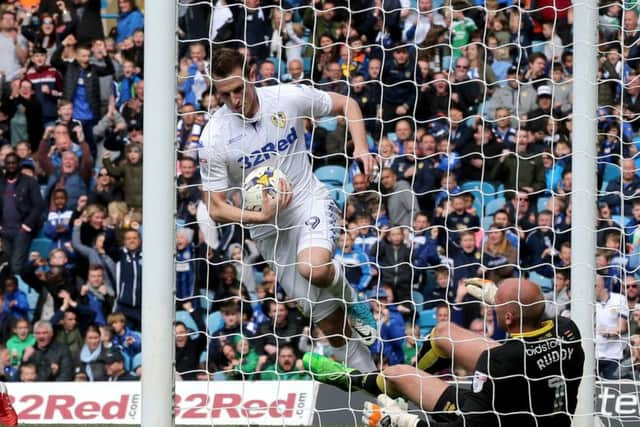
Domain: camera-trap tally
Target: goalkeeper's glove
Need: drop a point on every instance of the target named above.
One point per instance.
(388, 412)
(482, 289)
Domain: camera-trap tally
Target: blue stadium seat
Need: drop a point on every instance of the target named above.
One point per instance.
(427, 321)
(32, 296)
(127, 361)
(136, 361)
(336, 176)
(621, 220)
(338, 195)
(185, 317)
(418, 300)
(328, 123)
(487, 220)
(306, 61)
(611, 173)
(486, 188)
(42, 245)
(206, 298)
(545, 283)
(542, 203)
(494, 205)
(214, 322)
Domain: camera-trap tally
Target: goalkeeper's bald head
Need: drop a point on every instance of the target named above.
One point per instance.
(519, 305)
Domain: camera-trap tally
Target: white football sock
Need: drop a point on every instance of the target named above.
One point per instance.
(357, 356)
(340, 288)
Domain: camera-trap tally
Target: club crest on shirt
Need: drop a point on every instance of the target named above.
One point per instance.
(479, 378)
(279, 119)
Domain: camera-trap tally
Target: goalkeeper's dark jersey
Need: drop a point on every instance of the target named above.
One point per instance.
(530, 380)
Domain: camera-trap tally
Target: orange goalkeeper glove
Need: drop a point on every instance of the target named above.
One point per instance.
(388, 412)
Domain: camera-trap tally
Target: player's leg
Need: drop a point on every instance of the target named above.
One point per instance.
(325, 309)
(316, 265)
(8, 416)
(421, 388)
(316, 245)
(353, 352)
(449, 341)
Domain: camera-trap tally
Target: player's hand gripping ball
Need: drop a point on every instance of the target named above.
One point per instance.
(259, 180)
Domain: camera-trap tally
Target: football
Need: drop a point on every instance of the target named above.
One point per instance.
(264, 177)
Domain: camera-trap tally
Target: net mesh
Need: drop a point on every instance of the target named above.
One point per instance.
(467, 108)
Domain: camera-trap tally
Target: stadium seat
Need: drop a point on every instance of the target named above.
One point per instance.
(483, 193)
(206, 298)
(127, 361)
(185, 317)
(336, 176)
(427, 321)
(136, 362)
(42, 245)
(611, 173)
(545, 283)
(328, 123)
(487, 220)
(494, 205)
(418, 300)
(32, 296)
(338, 195)
(214, 322)
(306, 61)
(621, 220)
(486, 188)
(542, 203)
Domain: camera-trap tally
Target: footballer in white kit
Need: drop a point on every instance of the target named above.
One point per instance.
(296, 231)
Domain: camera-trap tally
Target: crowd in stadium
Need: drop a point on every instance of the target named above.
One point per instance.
(467, 106)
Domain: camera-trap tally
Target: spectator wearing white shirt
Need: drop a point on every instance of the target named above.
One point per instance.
(611, 327)
(13, 47)
(417, 27)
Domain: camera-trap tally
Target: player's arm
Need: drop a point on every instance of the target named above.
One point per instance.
(349, 108)
(223, 212)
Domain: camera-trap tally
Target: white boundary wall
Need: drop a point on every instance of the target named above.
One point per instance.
(197, 403)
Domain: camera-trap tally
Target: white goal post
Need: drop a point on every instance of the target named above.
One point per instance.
(583, 241)
(158, 280)
(158, 311)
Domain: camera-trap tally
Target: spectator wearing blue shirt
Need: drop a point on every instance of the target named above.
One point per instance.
(392, 326)
(129, 279)
(125, 87)
(392, 334)
(355, 263)
(9, 372)
(366, 238)
(82, 87)
(97, 294)
(185, 283)
(15, 300)
(58, 224)
(129, 19)
(444, 291)
(70, 179)
(125, 339)
(627, 187)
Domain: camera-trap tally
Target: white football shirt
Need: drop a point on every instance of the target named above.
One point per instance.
(231, 147)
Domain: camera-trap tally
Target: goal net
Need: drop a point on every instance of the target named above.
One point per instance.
(467, 109)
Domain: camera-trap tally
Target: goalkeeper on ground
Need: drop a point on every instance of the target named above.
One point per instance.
(531, 379)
